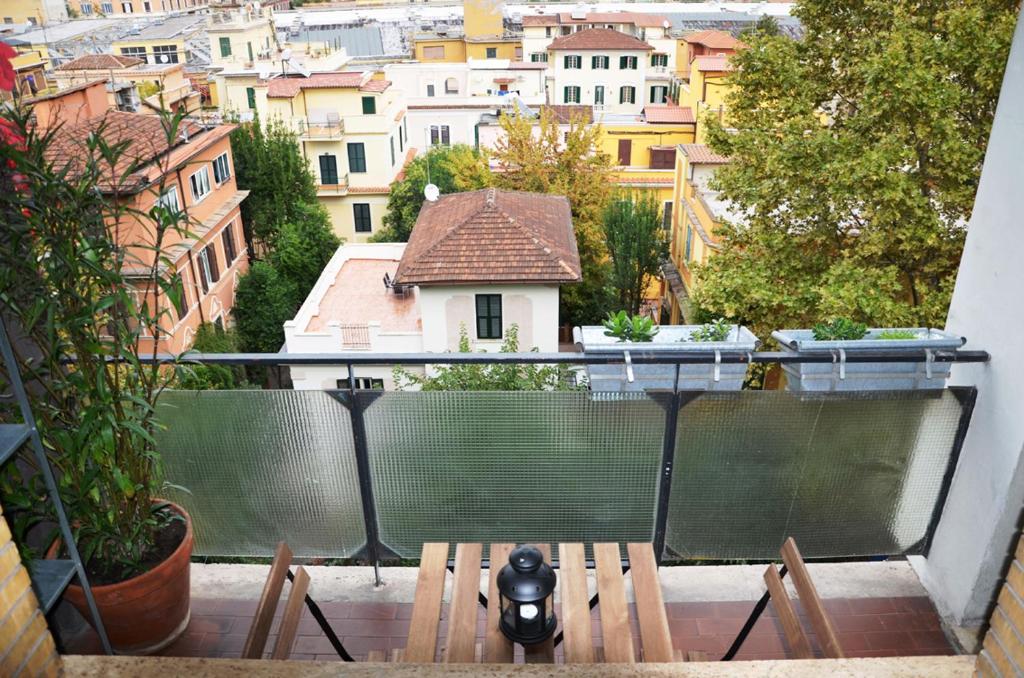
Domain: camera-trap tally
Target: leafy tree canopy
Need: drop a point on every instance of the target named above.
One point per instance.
(637, 244)
(488, 377)
(855, 155)
(263, 301)
(453, 169)
(538, 158)
(304, 246)
(211, 338)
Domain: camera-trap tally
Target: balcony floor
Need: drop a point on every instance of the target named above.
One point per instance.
(868, 627)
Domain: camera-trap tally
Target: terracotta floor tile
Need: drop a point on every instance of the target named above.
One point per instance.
(372, 610)
(860, 606)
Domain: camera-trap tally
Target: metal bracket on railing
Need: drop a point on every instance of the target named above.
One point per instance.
(629, 366)
(929, 356)
(718, 365)
(842, 361)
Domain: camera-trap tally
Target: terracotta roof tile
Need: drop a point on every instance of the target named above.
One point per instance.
(701, 154)
(286, 88)
(714, 39)
(668, 114)
(375, 86)
(93, 62)
(604, 39)
(145, 132)
(492, 236)
(565, 113)
(713, 63)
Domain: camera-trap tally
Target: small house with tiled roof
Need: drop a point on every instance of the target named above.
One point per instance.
(708, 43)
(483, 261)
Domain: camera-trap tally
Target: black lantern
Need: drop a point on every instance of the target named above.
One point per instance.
(525, 588)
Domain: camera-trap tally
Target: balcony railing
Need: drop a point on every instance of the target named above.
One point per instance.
(340, 187)
(355, 336)
(704, 475)
(320, 129)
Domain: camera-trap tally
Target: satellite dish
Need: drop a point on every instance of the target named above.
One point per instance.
(431, 192)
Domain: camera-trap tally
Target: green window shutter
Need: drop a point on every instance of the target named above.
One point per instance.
(356, 157)
(249, 46)
(328, 169)
(250, 94)
(623, 61)
(225, 47)
(369, 106)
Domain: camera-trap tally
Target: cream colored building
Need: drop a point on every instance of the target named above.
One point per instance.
(352, 128)
(540, 30)
(87, 8)
(605, 69)
(163, 42)
(35, 12)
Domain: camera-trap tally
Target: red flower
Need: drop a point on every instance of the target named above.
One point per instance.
(7, 78)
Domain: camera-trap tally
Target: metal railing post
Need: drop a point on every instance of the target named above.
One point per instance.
(668, 455)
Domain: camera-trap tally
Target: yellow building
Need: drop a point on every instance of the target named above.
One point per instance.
(706, 90)
(483, 37)
(132, 85)
(30, 75)
(35, 12)
(697, 215)
(164, 43)
(352, 129)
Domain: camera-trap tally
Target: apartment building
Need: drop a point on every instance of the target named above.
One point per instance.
(539, 31)
(353, 130)
(603, 68)
(704, 43)
(193, 172)
(705, 92)
(88, 8)
(484, 35)
(448, 103)
(29, 75)
(132, 84)
(35, 12)
(165, 42)
(483, 260)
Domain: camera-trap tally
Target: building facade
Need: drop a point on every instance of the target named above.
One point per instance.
(35, 12)
(132, 85)
(165, 42)
(193, 173)
(539, 31)
(90, 8)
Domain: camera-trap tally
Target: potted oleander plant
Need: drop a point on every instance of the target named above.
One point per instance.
(89, 297)
(621, 333)
(836, 336)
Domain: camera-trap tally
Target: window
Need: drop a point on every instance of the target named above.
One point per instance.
(663, 158)
(689, 242)
(599, 95)
(627, 63)
(547, 31)
(208, 267)
(625, 151)
(488, 316)
(392, 140)
(659, 94)
(356, 157)
(430, 90)
(451, 86)
(328, 169)
(401, 139)
(666, 216)
(248, 47)
(571, 95)
(250, 95)
(227, 239)
(361, 214)
(519, 53)
(566, 30)
(8, 19)
(85, 8)
(492, 52)
(169, 199)
(433, 52)
(599, 62)
(147, 6)
(369, 106)
(539, 57)
(200, 182)
(127, 8)
(659, 60)
(221, 168)
(440, 134)
(225, 47)
(108, 8)
(363, 384)
(627, 95)
(179, 297)
(573, 61)
(165, 54)
(139, 52)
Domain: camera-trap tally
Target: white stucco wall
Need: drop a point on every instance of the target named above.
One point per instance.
(438, 321)
(612, 79)
(981, 516)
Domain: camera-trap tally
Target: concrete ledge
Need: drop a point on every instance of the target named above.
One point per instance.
(679, 584)
(158, 667)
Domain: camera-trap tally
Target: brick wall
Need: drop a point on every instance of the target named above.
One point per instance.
(1002, 652)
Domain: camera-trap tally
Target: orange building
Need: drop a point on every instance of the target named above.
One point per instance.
(704, 43)
(193, 172)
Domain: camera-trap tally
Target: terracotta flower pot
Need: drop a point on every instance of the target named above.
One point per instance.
(146, 613)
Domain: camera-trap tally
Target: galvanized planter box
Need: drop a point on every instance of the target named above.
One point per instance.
(670, 339)
(843, 376)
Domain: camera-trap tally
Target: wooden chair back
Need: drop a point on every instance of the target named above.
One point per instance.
(256, 641)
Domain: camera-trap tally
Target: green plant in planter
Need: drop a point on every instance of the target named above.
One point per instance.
(637, 328)
(839, 329)
(896, 334)
(87, 300)
(716, 330)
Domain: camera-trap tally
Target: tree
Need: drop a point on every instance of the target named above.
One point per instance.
(855, 156)
(303, 247)
(765, 25)
(498, 377)
(263, 301)
(637, 244)
(537, 158)
(452, 169)
(211, 338)
(269, 164)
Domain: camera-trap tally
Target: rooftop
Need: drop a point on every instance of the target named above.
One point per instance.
(286, 88)
(668, 114)
(92, 62)
(713, 39)
(65, 31)
(598, 39)
(566, 113)
(492, 235)
(357, 295)
(701, 154)
(638, 19)
(172, 27)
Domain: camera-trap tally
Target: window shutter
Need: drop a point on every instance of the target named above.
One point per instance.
(446, 138)
(225, 47)
(369, 106)
(214, 272)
